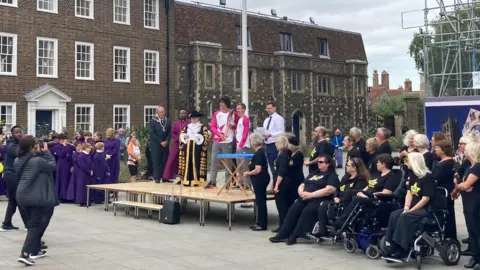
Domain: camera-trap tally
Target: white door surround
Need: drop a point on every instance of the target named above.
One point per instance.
(47, 98)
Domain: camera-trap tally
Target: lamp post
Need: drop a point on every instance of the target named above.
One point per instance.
(244, 56)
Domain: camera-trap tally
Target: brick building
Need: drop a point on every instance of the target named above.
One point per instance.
(316, 75)
(82, 64)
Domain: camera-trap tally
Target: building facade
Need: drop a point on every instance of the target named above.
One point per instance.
(82, 64)
(316, 75)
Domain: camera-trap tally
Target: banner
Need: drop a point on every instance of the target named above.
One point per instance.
(476, 80)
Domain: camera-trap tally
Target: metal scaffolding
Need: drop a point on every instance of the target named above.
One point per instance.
(451, 45)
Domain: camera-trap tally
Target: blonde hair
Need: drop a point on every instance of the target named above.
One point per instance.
(421, 140)
(110, 134)
(416, 162)
(99, 146)
(281, 143)
(472, 150)
(86, 146)
(373, 144)
(256, 139)
(407, 136)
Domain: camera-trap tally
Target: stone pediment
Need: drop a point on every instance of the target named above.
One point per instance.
(47, 91)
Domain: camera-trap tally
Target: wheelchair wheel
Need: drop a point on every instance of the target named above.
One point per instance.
(450, 252)
(373, 252)
(418, 258)
(382, 244)
(350, 245)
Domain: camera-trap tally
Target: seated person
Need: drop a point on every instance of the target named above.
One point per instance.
(404, 222)
(301, 216)
(383, 183)
(352, 182)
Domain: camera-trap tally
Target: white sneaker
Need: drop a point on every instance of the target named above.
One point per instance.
(40, 254)
(26, 261)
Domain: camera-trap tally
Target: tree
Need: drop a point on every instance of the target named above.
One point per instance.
(386, 105)
(446, 52)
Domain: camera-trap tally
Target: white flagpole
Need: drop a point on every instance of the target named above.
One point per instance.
(244, 56)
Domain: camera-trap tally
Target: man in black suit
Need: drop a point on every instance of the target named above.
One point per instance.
(159, 128)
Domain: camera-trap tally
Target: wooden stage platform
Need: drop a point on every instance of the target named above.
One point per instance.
(156, 193)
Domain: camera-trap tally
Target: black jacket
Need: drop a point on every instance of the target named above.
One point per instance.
(10, 155)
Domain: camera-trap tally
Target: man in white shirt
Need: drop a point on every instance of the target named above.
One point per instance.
(222, 128)
(242, 140)
(274, 126)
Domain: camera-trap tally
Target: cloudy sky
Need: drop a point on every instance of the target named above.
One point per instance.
(379, 22)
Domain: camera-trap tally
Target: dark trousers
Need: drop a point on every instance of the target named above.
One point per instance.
(300, 219)
(349, 209)
(283, 200)
(471, 210)
(12, 205)
(260, 188)
(402, 227)
(450, 222)
(325, 213)
(272, 154)
(159, 160)
(38, 220)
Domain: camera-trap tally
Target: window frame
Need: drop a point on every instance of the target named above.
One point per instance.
(149, 107)
(157, 71)
(319, 82)
(300, 79)
(252, 79)
(92, 10)
(15, 54)
(157, 19)
(205, 76)
(55, 7)
(92, 115)
(360, 85)
(13, 4)
(14, 112)
(92, 60)
(282, 46)
(327, 55)
(55, 68)
(238, 33)
(129, 63)
(129, 11)
(322, 117)
(115, 106)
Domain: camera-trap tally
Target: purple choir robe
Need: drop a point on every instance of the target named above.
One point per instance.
(71, 191)
(83, 177)
(101, 172)
(112, 148)
(64, 167)
(171, 168)
(79, 141)
(3, 150)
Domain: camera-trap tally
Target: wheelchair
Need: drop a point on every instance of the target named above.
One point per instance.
(430, 236)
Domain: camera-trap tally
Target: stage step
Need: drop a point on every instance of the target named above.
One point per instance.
(138, 206)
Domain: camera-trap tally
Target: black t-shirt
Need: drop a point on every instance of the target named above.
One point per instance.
(295, 168)
(475, 170)
(385, 148)
(421, 187)
(372, 164)
(462, 167)
(321, 180)
(362, 147)
(429, 157)
(351, 185)
(281, 163)
(321, 148)
(444, 173)
(389, 181)
(259, 159)
(354, 153)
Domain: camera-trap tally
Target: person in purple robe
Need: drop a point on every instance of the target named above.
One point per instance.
(3, 150)
(79, 138)
(53, 145)
(171, 168)
(101, 172)
(64, 153)
(112, 154)
(83, 176)
(71, 191)
(97, 136)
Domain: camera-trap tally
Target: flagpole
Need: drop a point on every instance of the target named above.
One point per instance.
(244, 56)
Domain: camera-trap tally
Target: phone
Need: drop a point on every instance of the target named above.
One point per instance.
(41, 144)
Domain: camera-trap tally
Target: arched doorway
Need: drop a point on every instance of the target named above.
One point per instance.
(298, 126)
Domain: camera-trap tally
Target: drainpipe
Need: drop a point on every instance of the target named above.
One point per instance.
(167, 13)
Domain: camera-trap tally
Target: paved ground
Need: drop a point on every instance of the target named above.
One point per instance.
(80, 238)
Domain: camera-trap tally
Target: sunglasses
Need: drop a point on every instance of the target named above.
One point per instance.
(322, 162)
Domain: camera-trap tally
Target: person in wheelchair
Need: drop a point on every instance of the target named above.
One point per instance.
(383, 184)
(403, 223)
(352, 182)
(316, 188)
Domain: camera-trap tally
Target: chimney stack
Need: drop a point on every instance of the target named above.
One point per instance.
(422, 81)
(375, 78)
(385, 80)
(408, 85)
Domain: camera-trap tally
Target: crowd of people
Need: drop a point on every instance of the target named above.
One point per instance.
(39, 175)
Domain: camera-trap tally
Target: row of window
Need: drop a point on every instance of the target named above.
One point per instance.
(84, 115)
(47, 60)
(85, 9)
(286, 42)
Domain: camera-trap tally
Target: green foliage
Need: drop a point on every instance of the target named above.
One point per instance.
(395, 144)
(386, 105)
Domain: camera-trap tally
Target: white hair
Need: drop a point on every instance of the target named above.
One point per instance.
(416, 162)
(256, 139)
(409, 134)
(421, 140)
(472, 151)
(355, 132)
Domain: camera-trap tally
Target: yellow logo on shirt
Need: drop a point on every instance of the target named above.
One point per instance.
(414, 190)
(372, 183)
(275, 165)
(351, 184)
(316, 177)
(314, 150)
(342, 188)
